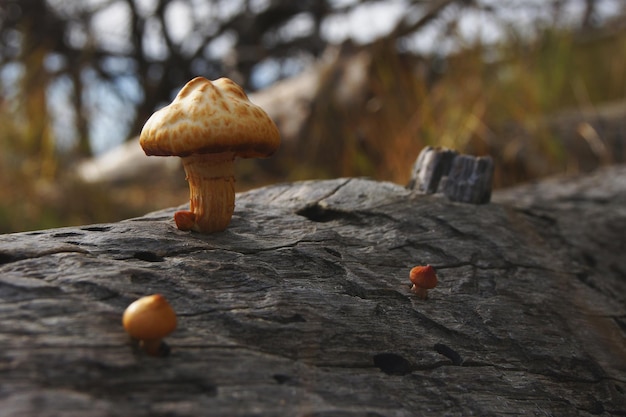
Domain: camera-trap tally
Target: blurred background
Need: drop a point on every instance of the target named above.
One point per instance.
(357, 88)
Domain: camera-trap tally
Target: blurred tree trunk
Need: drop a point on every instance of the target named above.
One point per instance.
(588, 15)
(83, 146)
(38, 142)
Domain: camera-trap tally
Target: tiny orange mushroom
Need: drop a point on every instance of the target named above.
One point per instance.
(423, 278)
(149, 319)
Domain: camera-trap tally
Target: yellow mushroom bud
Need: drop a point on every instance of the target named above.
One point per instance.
(149, 319)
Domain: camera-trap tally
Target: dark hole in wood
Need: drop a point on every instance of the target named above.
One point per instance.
(333, 252)
(67, 234)
(320, 214)
(589, 259)
(392, 364)
(6, 258)
(96, 228)
(354, 290)
(295, 318)
(449, 353)
(281, 379)
(148, 257)
(143, 277)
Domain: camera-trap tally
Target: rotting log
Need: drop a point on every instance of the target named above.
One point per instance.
(302, 307)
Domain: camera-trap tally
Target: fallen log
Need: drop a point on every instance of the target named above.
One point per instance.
(302, 307)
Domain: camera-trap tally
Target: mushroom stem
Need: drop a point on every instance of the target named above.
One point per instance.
(420, 292)
(153, 347)
(211, 192)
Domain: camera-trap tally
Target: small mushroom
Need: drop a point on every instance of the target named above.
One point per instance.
(423, 278)
(149, 319)
(208, 124)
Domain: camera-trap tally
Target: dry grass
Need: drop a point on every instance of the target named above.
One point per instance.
(474, 106)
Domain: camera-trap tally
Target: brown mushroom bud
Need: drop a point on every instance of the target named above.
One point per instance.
(149, 319)
(209, 124)
(423, 278)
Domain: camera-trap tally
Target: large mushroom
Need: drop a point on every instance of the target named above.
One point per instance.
(208, 124)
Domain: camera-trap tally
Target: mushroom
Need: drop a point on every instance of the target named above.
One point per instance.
(149, 319)
(208, 124)
(423, 278)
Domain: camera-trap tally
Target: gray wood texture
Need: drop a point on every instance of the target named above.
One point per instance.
(463, 178)
(302, 307)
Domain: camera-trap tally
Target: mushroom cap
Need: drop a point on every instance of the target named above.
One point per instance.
(423, 277)
(149, 317)
(210, 117)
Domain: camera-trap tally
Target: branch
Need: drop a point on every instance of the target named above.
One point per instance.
(404, 28)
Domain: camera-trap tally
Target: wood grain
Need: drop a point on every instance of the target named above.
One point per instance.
(302, 307)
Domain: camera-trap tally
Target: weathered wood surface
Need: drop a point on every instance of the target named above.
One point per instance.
(459, 177)
(302, 307)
